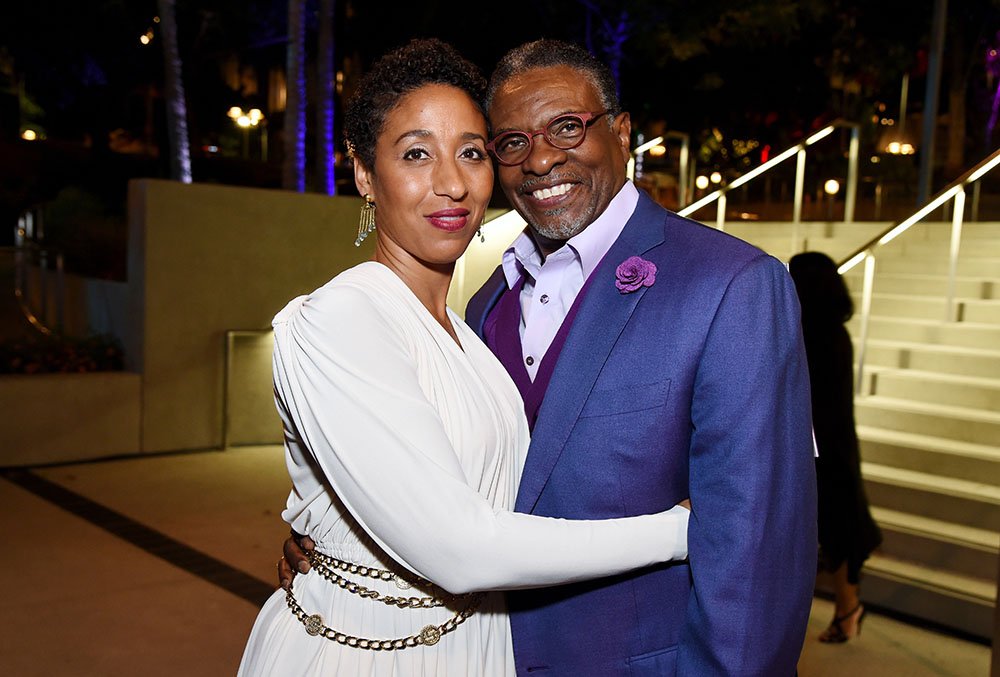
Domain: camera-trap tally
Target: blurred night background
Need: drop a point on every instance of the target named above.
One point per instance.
(86, 94)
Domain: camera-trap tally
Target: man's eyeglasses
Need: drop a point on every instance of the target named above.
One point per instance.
(564, 131)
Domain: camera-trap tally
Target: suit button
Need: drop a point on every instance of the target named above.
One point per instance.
(544, 299)
(529, 360)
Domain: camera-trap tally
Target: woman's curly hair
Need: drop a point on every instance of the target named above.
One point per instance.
(419, 62)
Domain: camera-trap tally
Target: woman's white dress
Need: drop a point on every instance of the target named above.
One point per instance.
(405, 451)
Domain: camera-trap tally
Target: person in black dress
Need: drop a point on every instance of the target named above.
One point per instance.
(847, 532)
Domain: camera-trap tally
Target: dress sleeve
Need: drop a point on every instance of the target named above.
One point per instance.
(345, 377)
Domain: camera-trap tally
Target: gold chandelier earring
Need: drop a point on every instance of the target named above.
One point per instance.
(367, 223)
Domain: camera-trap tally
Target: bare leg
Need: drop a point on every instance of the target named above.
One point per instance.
(848, 610)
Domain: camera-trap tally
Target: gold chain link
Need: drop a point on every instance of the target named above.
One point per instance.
(320, 564)
(428, 636)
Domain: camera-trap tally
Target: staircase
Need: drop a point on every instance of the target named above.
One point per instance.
(928, 416)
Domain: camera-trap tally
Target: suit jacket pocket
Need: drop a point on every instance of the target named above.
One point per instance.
(657, 663)
(628, 398)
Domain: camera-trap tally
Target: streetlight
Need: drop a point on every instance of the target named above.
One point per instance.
(900, 148)
(715, 177)
(701, 182)
(831, 188)
(247, 121)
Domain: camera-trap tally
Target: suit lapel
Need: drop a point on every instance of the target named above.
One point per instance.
(603, 314)
(482, 302)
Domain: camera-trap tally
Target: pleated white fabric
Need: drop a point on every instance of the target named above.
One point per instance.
(405, 450)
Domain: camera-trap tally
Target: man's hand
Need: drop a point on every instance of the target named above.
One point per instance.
(295, 558)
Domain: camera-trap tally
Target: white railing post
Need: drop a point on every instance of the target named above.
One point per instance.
(800, 182)
(956, 241)
(851, 194)
(866, 309)
(682, 174)
(720, 213)
(60, 292)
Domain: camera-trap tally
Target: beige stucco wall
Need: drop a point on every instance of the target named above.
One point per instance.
(50, 418)
(206, 259)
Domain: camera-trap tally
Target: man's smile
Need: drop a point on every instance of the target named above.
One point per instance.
(555, 191)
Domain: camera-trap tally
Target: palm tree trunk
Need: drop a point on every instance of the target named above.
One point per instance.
(325, 160)
(177, 129)
(294, 174)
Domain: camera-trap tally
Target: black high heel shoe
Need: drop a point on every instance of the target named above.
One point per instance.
(835, 633)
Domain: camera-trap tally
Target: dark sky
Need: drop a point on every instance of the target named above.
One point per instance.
(76, 58)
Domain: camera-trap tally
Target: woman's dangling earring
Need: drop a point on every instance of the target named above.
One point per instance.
(367, 223)
(479, 232)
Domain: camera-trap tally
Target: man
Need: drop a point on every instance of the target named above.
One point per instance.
(658, 359)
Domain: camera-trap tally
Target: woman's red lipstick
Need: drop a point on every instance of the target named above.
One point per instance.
(450, 220)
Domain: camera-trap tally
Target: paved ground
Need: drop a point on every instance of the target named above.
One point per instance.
(157, 566)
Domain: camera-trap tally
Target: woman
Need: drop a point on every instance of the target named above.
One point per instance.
(404, 435)
(847, 532)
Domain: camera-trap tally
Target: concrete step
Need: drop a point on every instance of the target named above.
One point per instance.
(942, 545)
(783, 247)
(924, 386)
(947, 499)
(941, 248)
(924, 357)
(931, 455)
(961, 602)
(978, 311)
(859, 232)
(941, 230)
(922, 418)
(979, 267)
(925, 285)
(932, 307)
(985, 336)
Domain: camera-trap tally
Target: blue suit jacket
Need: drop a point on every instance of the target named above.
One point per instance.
(694, 387)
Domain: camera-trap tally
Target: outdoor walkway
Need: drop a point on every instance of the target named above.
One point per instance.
(157, 566)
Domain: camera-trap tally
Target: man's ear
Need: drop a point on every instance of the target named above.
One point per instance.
(623, 129)
(363, 179)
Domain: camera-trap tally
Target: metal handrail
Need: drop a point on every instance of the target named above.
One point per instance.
(22, 256)
(685, 168)
(798, 150)
(27, 249)
(953, 191)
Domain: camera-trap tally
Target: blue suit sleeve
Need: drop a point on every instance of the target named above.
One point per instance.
(752, 534)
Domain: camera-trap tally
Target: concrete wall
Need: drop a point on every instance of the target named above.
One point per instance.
(208, 268)
(204, 259)
(50, 418)
(250, 416)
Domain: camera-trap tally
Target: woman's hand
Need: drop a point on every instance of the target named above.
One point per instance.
(295, 559)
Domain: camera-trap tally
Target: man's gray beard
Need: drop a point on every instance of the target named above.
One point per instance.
(560, 231)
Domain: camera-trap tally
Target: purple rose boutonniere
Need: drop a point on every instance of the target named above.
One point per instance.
(633, 273)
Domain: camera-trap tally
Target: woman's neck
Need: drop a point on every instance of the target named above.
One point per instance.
(428, 282)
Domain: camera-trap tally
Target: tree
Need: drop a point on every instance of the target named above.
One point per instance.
(325, 159)
(294, 170)
(673, 57)
(177, 126)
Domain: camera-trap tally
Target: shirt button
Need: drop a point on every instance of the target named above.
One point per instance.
(529, 360)
(544, 299)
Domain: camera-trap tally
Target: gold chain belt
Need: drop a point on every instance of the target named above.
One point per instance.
(326, 565)
(428, 636)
